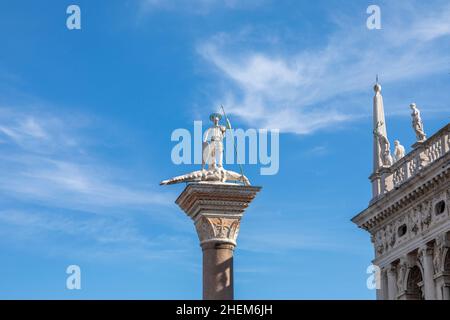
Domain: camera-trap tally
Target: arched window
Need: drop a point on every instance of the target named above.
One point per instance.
(447, 261)
(414, 290)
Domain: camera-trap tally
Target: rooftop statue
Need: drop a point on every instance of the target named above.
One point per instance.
(417, 123)
(399, 151)
(212, 155)
(385, 146)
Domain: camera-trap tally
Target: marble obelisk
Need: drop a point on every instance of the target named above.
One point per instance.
(382, 158)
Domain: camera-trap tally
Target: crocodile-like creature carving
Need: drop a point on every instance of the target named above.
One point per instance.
(210, 175)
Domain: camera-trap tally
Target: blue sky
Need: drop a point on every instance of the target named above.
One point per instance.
(86, 117)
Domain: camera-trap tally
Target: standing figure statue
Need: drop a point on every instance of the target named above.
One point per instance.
(417, 123)
(385, 147)
(399, 151)
(212, 154)
(212, 149)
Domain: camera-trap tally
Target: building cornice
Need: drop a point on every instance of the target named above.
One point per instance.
(431, 176)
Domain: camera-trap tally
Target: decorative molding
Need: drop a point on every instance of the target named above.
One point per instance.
(423, 252)
(198, 198)
(373, 216)
(412, 223)
(219, 229)
(216, 209)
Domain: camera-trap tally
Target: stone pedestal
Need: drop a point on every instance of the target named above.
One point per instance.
(217, 209)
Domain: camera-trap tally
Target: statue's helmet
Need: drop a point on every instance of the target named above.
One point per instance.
(215, 115)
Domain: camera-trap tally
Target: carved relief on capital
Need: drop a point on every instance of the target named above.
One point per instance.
(212, 228)
(423, 253)
(402, 269)
(440, 249)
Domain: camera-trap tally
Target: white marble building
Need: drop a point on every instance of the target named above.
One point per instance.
(408, 217)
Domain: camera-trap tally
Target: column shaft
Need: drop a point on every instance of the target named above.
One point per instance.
(446, 292)
(217, 271)
(382, 293)
(392, 283)
(428, 273)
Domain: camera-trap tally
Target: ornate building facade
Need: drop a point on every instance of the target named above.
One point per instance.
(408, 217)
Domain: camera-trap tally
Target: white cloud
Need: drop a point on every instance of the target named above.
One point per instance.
(88, 237)
(54, 186)
(67, 184)
(303, 91)
(43, 159)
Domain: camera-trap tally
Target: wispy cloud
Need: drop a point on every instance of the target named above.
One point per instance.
(303, 91)
(45, 160)
(84, 236)
(67, 184)
(53, 185)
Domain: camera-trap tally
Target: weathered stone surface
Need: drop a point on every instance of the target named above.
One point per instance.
(408, 219)
(217, 210)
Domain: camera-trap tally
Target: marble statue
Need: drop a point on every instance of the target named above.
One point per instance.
(417, 123)
(385, 147)
(212, 155)
(399, 151)
(213, 143)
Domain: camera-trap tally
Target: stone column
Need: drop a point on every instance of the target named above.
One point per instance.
(382, 293)
(392, 282)
(425, 255)
(218, 271)
(446, 292)
(217, 209)
(441, 275)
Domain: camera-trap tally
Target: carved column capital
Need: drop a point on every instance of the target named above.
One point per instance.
(402, 269)
(214, 228)
(425, 256)
(392, 282)
(440, 244)
(216, 209)
(391, 269)
(423, 252)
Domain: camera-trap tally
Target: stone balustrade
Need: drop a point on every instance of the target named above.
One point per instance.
(420, 157)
